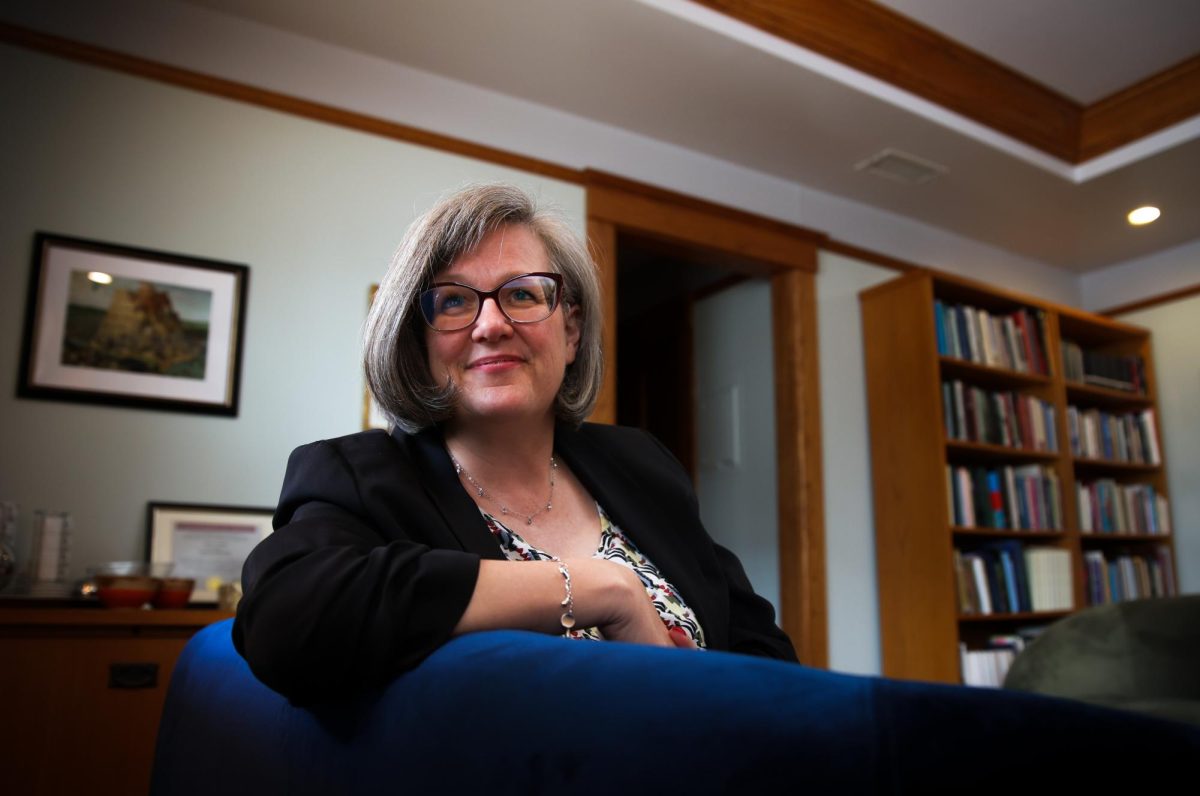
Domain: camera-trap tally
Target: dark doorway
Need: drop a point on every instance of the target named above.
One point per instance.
(656, 285)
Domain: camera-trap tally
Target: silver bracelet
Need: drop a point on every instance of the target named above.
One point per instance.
(567, 620)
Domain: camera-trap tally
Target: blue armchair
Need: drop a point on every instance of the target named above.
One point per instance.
(522, 713)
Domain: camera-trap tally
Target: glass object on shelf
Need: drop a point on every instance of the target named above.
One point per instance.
(51, 551)
(8, 544)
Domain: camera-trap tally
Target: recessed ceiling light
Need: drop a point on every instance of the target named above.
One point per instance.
(100, 278)
(1143, 215)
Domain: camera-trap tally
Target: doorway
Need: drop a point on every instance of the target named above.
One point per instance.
(656, 290)
(694, 368)
(700, 234)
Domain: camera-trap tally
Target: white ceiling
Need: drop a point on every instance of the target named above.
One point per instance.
(1083, 49)
(680, 74)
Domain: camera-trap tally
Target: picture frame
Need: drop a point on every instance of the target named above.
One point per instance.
(122, 326)
(203, 541)
(372, 415)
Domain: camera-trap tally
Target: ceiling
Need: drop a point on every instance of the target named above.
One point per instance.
(770, 91)
(1084, 49)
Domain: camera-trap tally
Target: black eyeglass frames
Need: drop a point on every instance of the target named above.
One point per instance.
(528, 298)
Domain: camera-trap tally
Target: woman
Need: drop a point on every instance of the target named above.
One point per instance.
(491, 504)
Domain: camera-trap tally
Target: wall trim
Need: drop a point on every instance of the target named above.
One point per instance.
(868, 256)
(1152, 301)
(1153, 104)
(718, 234)
(273, 100)
(887, 45)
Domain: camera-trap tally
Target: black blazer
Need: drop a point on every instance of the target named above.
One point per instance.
(377, 550)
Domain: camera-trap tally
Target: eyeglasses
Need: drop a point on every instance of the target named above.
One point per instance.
(528, 298)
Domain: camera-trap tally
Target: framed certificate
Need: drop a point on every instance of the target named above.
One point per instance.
(205, 542)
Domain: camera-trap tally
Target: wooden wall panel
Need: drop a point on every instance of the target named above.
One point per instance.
(602, 241)
(799, 463)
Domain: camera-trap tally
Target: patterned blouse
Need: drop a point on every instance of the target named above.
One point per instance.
(614, 546)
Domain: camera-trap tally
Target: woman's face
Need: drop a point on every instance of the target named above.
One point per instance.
(503, 370)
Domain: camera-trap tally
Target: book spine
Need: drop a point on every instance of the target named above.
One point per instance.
(979, 575)
(1151, 436)
(939, 324)
(996, 500)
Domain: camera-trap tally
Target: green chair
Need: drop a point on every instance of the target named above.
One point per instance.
(1141, 655)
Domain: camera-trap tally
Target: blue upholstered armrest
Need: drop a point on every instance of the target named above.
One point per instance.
(520, 713)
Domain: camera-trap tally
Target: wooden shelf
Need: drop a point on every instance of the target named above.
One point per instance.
(988, 375)
(1105, 397)
(1124, 538)
(915, 539)
(961, 451)
(125, 618)
(1026, 616)
(1113, 466)
(1001, 533)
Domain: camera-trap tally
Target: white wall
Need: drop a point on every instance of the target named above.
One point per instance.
(1176, 328)
(1158, 274)
(846, 464)
(314, 210)
(735, 428)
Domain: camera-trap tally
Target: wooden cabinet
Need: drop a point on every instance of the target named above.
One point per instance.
(917, 453)
(83, 689)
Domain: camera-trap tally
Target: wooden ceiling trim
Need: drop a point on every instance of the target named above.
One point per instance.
(880, 42)
(1152, 301)
(1170, 97)
(141, 67)
(652, 211)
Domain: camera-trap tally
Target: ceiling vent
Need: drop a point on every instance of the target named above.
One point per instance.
(901, 167)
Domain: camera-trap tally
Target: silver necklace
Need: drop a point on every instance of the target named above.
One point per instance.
(482, 491)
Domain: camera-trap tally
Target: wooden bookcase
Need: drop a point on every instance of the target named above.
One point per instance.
(921, 626)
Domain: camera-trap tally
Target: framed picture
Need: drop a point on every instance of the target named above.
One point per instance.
(373, 416)
(116, 325)
(208, 543)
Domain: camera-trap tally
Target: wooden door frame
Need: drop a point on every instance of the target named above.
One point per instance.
(787, 255)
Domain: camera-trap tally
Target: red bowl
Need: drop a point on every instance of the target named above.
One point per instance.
(174, 593)
(126, 591)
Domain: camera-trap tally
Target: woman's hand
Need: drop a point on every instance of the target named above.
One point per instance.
(625, 611)
(681, 639)
(606, 595)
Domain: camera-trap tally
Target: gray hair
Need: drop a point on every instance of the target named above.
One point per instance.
(394, 352)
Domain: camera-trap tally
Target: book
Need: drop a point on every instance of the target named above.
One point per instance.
(1025, 331)
(939, 323)
(1150, 436)
(974, 350)
(980, 581)
(996, 518)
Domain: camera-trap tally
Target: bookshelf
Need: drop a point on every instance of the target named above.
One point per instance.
(980, 449)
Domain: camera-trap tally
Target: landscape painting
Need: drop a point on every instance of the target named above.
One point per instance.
(139, 327)
(125, 326)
